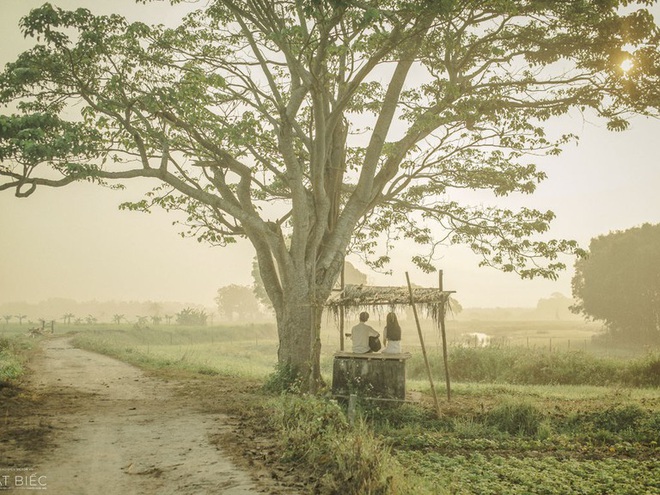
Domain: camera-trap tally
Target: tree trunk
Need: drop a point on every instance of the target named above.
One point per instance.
(298, 327)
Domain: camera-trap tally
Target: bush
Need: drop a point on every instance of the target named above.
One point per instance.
(516, 417)
(618, 418)
(283, 379)
(191, 316)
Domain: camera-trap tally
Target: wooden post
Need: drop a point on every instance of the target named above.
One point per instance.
(444, 340)
(341, 308)
(421, 341)
(352, 406)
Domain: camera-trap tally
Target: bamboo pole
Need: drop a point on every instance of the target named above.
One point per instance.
(341, 308)
(421, 341)
(444, 339)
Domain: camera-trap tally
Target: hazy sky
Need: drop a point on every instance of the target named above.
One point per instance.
(74, 242)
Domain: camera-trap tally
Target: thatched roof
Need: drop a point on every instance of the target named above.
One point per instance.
(355, 298)
(368, 295)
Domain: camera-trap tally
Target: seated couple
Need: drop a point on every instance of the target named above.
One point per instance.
(392, 335)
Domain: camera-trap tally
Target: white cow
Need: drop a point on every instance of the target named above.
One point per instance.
(477, 339)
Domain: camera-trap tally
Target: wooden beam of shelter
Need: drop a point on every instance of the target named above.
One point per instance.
(370, 295)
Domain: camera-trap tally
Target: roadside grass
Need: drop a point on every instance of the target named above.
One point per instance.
(14, 352)
(316, 436)
(498, 434)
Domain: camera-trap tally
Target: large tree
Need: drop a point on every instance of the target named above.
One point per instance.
(238, 300)
(619, 283)
(313, 127)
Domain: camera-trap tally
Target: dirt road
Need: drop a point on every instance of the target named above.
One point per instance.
(116, 430)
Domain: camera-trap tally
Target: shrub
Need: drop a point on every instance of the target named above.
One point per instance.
(283, 379)
(618, 418)
(516, 417)
(191, 316)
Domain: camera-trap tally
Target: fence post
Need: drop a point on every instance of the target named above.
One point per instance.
(444, 336)
(352, 404)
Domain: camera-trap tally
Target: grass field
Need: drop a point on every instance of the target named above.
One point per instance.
(500, 433)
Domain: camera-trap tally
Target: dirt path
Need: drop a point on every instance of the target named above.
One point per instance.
(118, 431)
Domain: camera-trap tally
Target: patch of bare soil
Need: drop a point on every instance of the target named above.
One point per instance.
(84, 423)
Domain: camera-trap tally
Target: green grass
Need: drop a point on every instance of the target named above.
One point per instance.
(315, 433)
(519, 365)
(13, 354)
(248, 351)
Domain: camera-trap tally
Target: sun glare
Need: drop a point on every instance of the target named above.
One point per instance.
(626, 65)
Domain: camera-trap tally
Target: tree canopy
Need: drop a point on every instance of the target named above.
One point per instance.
(315, 127)
(237, 300)
(619, 283)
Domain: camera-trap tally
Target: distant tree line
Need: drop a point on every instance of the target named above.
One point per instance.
(72, 312)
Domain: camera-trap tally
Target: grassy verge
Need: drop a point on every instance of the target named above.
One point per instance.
(314, 435)
(13, 355)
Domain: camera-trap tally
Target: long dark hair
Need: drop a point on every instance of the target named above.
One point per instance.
(392, 323)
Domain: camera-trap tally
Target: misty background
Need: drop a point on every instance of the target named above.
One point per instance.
(72, 247)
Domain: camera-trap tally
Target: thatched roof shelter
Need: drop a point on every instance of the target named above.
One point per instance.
(356, 298)
(435, 302)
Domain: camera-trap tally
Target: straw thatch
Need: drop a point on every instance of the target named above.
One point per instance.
(356, 298)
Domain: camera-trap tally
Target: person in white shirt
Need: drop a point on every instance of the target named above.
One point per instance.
(360, 334)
